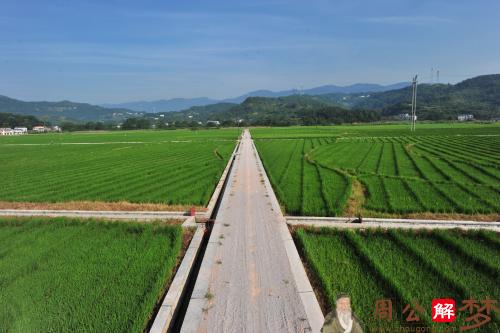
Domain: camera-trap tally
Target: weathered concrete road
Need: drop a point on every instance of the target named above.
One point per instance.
(251, 278)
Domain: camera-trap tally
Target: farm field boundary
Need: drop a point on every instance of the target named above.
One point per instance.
(98, 206)
(346, 222)
(309, 300)
(178, 288)
(212, 204)
(127, 215)
(171, 314)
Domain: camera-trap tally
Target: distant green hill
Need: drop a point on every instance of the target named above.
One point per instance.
(479, 96)
(289, 110)
(64, 111)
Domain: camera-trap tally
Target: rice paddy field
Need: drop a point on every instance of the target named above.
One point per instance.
(404, 266)
(178, 167)
(384, 170)
(67, 275)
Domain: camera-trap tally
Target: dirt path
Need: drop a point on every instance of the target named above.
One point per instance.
(247, 283)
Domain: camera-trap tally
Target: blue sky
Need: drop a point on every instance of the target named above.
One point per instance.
(116, 51)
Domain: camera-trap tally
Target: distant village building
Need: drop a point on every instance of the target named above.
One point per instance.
(213, 122)
(6, 131)
(21, 130)
(15, 131)
(44, 129)
(40, 129)
(465, 117)
(404, 116)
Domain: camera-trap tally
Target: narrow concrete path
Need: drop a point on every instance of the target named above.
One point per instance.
(251, 278)
(368, 222)
(128, 215)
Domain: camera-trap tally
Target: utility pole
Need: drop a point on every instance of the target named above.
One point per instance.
(414, 104)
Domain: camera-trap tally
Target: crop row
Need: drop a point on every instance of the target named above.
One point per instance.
(400, 175)
(303, 186)
(403, 266)
(74, 275)
(174, 173)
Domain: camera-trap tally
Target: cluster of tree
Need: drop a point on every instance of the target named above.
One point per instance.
(136, 123)
(88, 126)
(14, 120)
(336, 115)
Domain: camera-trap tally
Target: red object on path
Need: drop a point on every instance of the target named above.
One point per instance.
(192, 211)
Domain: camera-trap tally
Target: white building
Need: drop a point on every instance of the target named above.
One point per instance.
(15, 131)
(40, 129)
(213, 122)
(465, 117)
(21, 130)
(6, 131)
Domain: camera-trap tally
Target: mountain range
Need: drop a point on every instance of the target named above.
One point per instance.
(65, 111)
(177, 104)
(479, 96)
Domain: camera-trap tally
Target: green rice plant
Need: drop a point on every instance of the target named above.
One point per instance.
(112, 171)
(401, 198)
(406, 166)
(336, 189)
(371, 161)
(464, 273)
(340, 268)
(431, 198)
(292, 177)
(402, 265)
(83, 275)
(434, 171)
(453, 151)
(377, 197)
(467, 202)
(313, 202)
(459, 270)
(469, 244)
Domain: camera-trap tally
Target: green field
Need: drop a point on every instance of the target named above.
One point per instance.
(169, 167)
(66, 275)
(443, 168)
(403, 266)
